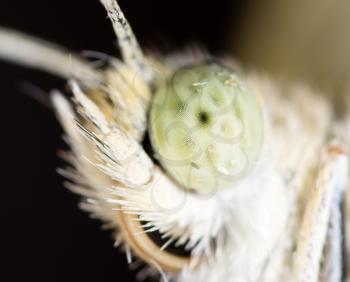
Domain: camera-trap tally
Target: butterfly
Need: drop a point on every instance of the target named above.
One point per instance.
(203, 171)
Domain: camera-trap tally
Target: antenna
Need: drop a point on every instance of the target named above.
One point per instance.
(131, 52)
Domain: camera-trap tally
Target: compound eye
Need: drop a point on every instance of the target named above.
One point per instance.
(205, 127)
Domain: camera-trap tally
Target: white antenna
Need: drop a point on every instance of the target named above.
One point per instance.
(130, 49)
(36, 53)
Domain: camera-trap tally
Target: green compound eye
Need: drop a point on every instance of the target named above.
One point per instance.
(205, 127)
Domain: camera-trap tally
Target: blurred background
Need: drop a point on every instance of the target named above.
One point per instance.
(298, 40)
(45, 236)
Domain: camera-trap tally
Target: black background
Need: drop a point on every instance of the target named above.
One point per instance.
(45, 237)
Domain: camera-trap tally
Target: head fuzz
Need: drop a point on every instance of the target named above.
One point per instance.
(205, 127)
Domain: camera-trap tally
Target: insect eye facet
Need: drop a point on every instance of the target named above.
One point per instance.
(205, 127)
